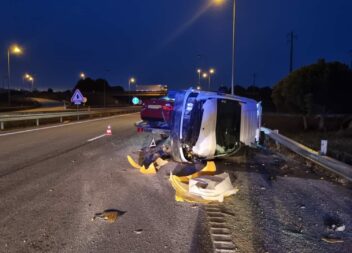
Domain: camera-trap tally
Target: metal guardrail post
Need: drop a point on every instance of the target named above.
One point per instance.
(37, 122)
(2, 125)
(326, 162)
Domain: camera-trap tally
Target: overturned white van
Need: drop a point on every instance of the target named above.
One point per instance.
(206, 125)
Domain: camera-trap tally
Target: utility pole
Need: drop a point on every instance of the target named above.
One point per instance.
(254, 78)
(291, 38)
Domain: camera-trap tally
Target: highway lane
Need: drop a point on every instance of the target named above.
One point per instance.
(54, 180)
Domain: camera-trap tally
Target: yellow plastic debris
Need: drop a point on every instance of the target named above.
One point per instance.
(151, 169)
(133, 163)
(160, 162)
(209, 169)
(182, 194)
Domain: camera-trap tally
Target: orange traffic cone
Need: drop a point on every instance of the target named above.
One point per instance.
(108, 131)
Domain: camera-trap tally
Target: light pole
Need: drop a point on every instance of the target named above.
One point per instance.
(29, 78)
(219, 2)
(131, 80)
(211, 72)
(233, 47)
(16, 50)
(205, 76)
(82, 76)
(199, 71)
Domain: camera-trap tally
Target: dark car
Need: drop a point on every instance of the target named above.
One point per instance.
(157, 109)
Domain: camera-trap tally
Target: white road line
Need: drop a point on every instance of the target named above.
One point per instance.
(63, 125)
(96, 138)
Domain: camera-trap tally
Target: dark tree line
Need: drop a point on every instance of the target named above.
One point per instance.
(320, 88)
(89, 85)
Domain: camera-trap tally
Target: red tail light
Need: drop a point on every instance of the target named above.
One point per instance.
(168, 107)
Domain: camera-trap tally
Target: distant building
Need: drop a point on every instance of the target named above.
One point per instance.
(151, 87)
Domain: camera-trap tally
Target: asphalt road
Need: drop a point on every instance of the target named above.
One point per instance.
(53, 181)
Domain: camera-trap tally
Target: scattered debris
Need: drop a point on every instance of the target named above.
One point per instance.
(138, 231)
(334, 224)
(340, 228)
(293, 232)
(331, 239)
(152, 157)
(110, 215)
(212, 187)
(203, 186)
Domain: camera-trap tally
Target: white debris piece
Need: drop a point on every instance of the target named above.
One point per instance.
(340, 228)
(212, 187)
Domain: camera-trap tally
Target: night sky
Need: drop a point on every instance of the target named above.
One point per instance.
(164, 41)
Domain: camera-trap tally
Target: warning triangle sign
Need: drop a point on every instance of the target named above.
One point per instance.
(152, 144)
(77, 97)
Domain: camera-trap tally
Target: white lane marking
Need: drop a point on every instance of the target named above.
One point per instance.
(63, 125)
(96, 138)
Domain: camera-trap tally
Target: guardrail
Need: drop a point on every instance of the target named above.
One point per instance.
(60, 115)
(326, 162)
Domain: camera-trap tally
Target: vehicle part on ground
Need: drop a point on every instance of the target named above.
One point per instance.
(150, 170)
(110, 215)
(202, 188)
(214, 188)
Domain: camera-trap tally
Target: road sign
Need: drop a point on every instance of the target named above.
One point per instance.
(77, 97)
(135, 101)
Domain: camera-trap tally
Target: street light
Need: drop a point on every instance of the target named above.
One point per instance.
(16, 50)
(219, 2)
(205, 76)
(211, 72)
(82, 75)
(199, 71)
(131, 80)
(29, 78)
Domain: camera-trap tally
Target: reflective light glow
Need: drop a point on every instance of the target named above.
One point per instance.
(15, 49)
(218, 2)
(28, 77)
(135, 101)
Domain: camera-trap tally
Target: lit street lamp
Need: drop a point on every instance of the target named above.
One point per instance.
(16, 50)
(219, 2)
(82, 75)
(199, 71)
(130, 81)
(211, 72)
(29, 78)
